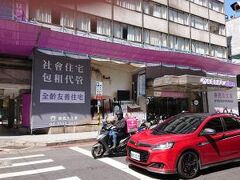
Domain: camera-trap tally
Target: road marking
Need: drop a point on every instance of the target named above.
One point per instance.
(22, 157)
(71, 178)
(27, 163)
(31, 172)
(114, 163)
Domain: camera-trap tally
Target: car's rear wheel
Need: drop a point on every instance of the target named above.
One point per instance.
(188, 165)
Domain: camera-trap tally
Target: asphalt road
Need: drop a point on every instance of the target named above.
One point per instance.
(76, 163)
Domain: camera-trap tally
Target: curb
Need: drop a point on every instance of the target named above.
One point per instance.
(71, 142)
(26, 145)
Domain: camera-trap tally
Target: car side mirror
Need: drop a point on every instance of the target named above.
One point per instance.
(208, 131)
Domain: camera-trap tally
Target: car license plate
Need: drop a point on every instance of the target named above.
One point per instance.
(135, 155)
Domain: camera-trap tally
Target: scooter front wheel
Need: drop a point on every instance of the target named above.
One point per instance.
(98, 150)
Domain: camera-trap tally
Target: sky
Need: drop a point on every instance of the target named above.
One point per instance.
(228, 9)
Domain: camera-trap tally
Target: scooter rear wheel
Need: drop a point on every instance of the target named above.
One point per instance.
(98, 150)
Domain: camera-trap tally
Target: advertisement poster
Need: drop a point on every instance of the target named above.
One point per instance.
(60, 91)
(223, 101)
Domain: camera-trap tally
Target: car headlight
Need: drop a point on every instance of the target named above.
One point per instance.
(163, 146)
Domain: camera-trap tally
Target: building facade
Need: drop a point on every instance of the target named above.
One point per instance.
(233, 42)
(133, 47)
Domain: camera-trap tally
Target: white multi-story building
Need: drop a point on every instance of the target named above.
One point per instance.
(233, 32)
(196, 26)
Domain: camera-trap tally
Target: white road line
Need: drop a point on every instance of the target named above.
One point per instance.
(71, 178)
(114, 163)
(22, 157)
(28, 163)
(31, 172)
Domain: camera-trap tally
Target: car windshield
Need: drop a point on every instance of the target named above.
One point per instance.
(179, 124)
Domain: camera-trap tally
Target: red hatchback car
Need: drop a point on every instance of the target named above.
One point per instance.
(186, 143)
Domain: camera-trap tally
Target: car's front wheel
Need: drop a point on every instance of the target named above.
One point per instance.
(188, 165)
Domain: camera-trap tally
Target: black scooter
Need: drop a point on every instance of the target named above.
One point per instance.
(104, 143)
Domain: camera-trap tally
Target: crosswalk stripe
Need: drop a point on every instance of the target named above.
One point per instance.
(22, 157)
(28, 163)
(71, 178)
(114, 163)
(31, 172)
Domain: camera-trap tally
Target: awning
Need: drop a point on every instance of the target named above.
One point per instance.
(19, 39)
(191, 83)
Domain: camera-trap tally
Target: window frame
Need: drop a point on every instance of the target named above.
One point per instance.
(212, 119)
(225, 125)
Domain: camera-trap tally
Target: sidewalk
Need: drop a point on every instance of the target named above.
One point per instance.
(11, 141)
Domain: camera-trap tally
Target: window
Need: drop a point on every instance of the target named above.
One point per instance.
(201, 2)
(124, 32)
(179, 124)
(134, 34)
(155, 38)
(179, 43)
(43, 14)
(199, 23)
(128, 32)
(178, 17)
(215, 124)
(155, 9)
(200, 48)
(56, 16)
(216, 5)
(231, 124)
(93, 25)
(103, 26)
(216, 28)
(135, 5)
(67, 19)
(83, 22)
(218, 51)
